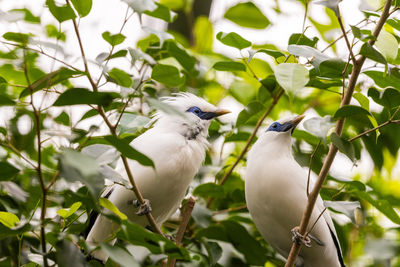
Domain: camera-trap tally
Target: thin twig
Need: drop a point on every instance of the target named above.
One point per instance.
(310, 166)
(112, 47)
(43, 53)
(182, 227)
(38, 168)
(373, 129)
(353, 58)
(295, 249)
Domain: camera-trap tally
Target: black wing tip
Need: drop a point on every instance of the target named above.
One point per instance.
(338, 250)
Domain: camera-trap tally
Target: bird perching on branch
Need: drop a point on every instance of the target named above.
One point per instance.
(276, 196)
(177, 144)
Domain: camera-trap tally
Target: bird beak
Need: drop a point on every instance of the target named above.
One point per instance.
(297, 120)
(220, 112)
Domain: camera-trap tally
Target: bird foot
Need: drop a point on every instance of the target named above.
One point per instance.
(144, 208)
(299, 238)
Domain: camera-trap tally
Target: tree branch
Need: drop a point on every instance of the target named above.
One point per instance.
(353, 58)
(182, 228)
(295, 249)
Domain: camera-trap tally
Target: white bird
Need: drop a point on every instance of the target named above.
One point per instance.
(177, 145)
(276, 197)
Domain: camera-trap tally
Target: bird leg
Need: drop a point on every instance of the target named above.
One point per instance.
(144, 208)
(299, 238)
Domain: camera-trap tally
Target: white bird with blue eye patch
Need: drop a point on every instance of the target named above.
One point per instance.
(177, 146)
(276, 196)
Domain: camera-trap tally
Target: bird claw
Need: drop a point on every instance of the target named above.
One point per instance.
(144, 208)
(299, 238)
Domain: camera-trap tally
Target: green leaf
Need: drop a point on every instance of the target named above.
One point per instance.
(65, 213)
(356, 32)
(387, 44)
(208, 190)
(390, 98)
(8, 219)
(229, 66)
(343, 145)
(233, 39)
(128, 151)
(273, 53)
(369, 52)
(61, 13)
(350, 110)
(291, 76)
(120, 77)
(29, 17)
(119, 255)
(52, 31)
(251, 110)
(301, 39)
(105, 203)
(63, 118)
(82, 6)
(68, 254)
(382, 80)
(162, 12)
(362, 99)
(16, 37)
(155, 243)
(202, 215)
(334, 68)
(167, 74)
(49, 80)
(7, 171)
(186, 61)
(82, 96)
(76, 166)
(203, 35)
(113, 39)
(6, 101)
(234, 233)
(380, 204)
(247, 15)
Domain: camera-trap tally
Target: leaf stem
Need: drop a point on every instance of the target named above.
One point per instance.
(312, 198)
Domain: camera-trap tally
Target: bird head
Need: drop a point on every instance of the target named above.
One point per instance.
(285, 125)
(193, 114)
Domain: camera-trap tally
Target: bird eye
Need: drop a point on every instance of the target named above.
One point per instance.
(196, 111)
(274, 126)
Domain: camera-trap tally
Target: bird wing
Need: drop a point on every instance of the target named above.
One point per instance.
(327, 217)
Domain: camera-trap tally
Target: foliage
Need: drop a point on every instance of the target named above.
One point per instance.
(65, 122)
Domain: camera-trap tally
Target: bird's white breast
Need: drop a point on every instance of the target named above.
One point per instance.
(176, 161)
(276, 198)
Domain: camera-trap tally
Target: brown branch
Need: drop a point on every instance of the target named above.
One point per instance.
(310, 167)
(295, 249)
(373, 129)
(85, 64)
(230, 210)
(38, 168)
(182, 227)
